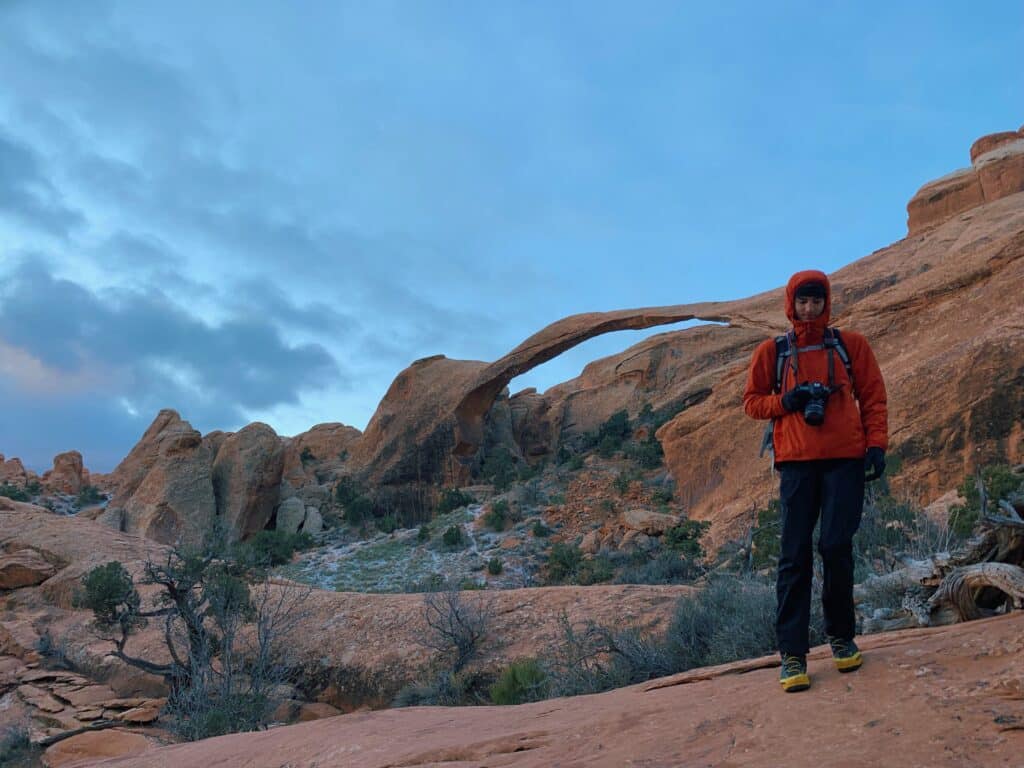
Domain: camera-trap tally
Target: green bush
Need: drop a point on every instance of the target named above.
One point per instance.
(109, 592)
(563, 562)
(358, 511)
(685, 538)
(766, 540)
(575, 464)
(662, 495)
(494, 566)
(33, 488)
(347, 490)
(424, 534)
(647, 453)
(17, 749)
(1000, 483)
(452, 499)
(607, 446)
(13, 492)
(668, 567)
(594, 571)
(496, 518)
(539, 529)
(89, 495)
(273, 547)
(499, 467)
(522, 681)
(306, 455)
(454, 537)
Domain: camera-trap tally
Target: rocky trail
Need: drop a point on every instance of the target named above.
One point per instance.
(951, 696)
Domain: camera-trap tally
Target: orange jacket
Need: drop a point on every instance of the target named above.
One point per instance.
(856, 417)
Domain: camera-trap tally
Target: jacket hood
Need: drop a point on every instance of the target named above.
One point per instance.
(820, 323)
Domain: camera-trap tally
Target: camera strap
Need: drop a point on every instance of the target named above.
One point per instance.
(786, 349)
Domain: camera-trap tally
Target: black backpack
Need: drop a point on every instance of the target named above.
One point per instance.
(786, 350)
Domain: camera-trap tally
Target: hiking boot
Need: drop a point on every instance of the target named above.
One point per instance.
(845, 654)
(794, 673)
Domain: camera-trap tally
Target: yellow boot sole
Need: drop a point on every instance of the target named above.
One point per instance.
(850, 663)
(796, 683)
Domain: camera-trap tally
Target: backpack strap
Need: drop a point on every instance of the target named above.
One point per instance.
(833, 340)
(787, 350)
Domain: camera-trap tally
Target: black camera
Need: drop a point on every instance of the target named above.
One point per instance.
(817, 397)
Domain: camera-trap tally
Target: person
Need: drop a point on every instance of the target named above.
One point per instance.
(823, 463)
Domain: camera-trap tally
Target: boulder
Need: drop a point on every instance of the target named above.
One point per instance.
(246, 476)
(174, 499)
(646, 521)
(314, 521)
(591, 543)
(290, 515)
(67, 475)
(24, 568)
(635, 541)
(94, 746)
(12, 471)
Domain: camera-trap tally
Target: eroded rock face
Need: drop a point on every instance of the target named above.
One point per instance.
(997, 170)
(68, 474)
(12, 471)
(24, 568)
(246, 477)
(323, 448)
(165, 485)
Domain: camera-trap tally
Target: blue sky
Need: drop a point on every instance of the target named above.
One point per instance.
(264, 211)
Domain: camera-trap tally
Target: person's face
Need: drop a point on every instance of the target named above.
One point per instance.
(809, 307)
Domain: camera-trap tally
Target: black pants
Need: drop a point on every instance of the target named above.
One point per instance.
(835, 489)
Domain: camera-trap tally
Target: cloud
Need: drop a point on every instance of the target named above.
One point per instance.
(27, 195)
(145, 350)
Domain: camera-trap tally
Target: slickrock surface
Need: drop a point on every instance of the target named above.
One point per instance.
(951, 696)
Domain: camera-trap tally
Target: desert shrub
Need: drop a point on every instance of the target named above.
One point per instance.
(454, 537)
(575, 464)
(33, 488)
(109, 592)
(596, 570)
(685, 538)
(452, 499)
(496, 518)
(423, 535)
(648, 453)
(387, 524)
(563, 562)
(617, 428)
(226, 632)
(729, 619)
(17, 749)
(13, 492)
(662, 495)
(623, 480)
(456, 628)
(346, 490)
(765, 539)
(307, 455)
(358, 511)
(539, 529)
(520, 682)
(999, 481)
(529, 472)
(89, 494)
(499, 467)
(444, 689)
(274, 547)
(494, 566)
(530, 493)
(667, 567)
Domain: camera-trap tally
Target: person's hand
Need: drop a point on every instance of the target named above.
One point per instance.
(796, 398)
(874, 464)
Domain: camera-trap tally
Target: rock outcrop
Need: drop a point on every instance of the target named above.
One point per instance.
(948, 696)
(246, 478)
(68, 474)
(997, 170)
(13, 472)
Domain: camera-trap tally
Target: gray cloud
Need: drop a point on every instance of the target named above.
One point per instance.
(28, 195)
(155, 351)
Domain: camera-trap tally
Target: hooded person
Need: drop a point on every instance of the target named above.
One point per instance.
(827, 403)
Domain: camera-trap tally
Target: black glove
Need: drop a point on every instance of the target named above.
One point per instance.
(874, 464)
(796, 398)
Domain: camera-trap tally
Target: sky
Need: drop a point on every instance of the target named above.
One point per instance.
(264, 211)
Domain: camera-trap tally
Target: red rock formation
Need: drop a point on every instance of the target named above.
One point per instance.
(246, 477)
(997, 170)
(13, 471)
(325, 447)
(946, 696)
(68, 475)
